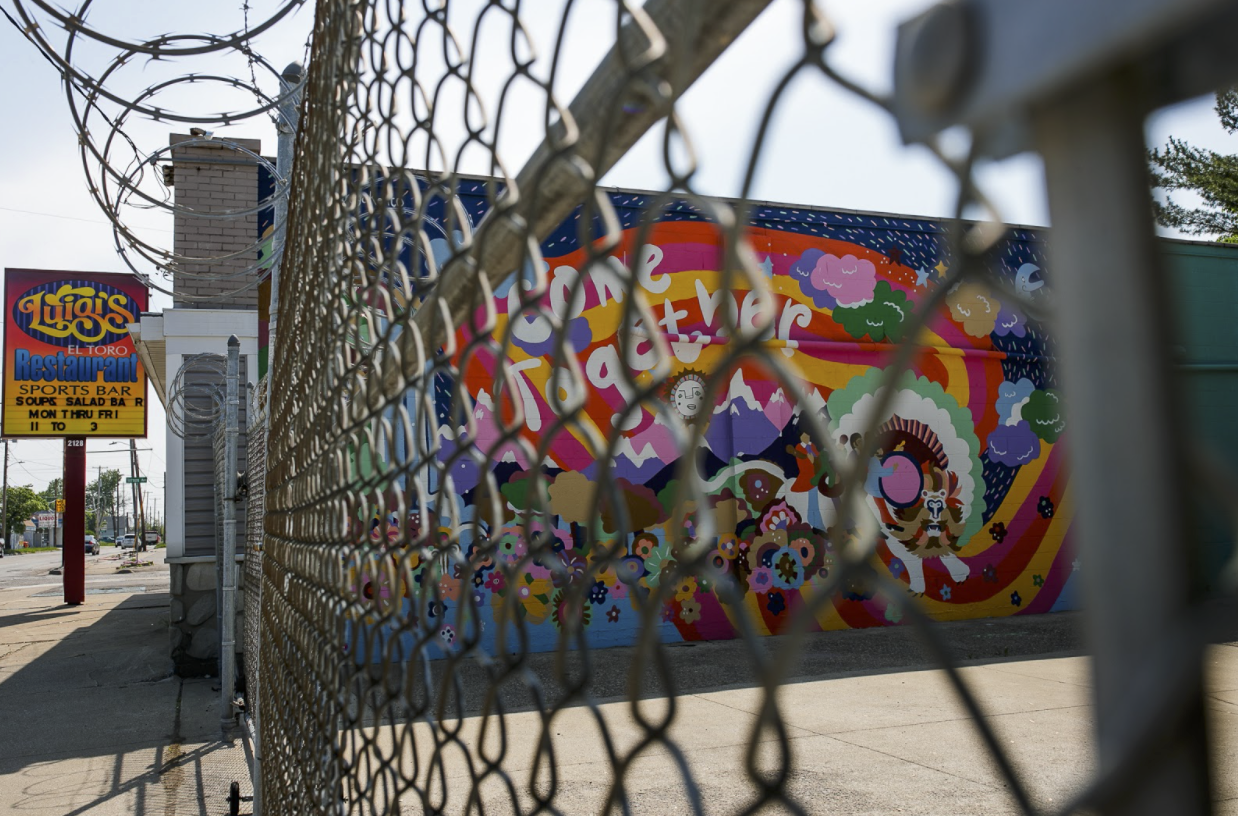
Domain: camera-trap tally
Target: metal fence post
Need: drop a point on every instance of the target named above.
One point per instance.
(1112, 324)
(227, 645)
(286, 124)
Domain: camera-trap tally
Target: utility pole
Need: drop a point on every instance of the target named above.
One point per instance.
(4, 502)
(139, 536)
(100, 521)
(56, 508)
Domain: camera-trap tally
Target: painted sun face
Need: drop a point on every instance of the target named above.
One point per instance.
(687, 395)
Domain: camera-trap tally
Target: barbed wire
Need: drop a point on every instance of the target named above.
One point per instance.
(195, 397)
(122, 184)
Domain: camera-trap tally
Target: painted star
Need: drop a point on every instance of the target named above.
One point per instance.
(767, 266)
(922, 277)
(941, 268)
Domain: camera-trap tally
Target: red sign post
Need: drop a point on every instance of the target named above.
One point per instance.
(74, 521)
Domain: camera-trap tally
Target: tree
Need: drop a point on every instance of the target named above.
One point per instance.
(101, 494)
(53, 491)
(1213, 176)
(23, 502)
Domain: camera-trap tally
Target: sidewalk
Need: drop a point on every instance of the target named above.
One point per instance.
(92, 723)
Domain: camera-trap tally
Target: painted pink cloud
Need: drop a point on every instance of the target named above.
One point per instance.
(849, 279)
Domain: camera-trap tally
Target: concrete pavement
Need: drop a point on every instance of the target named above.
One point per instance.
(91, 722)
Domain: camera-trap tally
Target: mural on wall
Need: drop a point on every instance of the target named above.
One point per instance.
(969, 488)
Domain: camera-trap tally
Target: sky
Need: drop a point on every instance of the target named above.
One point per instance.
(826, 148)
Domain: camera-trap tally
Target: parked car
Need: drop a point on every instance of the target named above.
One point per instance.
(126, 541)
(92, 545)
(152, 538)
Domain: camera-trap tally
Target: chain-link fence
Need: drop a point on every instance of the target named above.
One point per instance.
(528, 413)
(519, 416)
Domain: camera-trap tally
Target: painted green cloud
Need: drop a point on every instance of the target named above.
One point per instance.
(1044, 412)
(881, 318)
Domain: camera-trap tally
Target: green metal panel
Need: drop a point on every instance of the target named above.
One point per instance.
(1204, 277)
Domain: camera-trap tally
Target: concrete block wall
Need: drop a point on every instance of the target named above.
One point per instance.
(194, 618)
(214, 178)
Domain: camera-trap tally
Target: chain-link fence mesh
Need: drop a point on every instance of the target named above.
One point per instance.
(527, 413)
(255, 492)
(519, 416)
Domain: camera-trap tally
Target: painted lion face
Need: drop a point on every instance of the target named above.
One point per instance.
(918, 495)
(933, 524)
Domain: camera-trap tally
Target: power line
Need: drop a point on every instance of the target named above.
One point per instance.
(74, 218)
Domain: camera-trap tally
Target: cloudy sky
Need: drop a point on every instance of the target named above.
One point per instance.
(827, 148)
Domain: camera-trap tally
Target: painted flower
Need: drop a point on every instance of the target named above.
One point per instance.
(447, 634)
(689, 526)
(658, 563)
(573, 570)
(534, 595)
(449, 588)
(761, 579)
(761, 552)
(998, 531)
(690, 611)
(479, 596)
(511, 548)
(804, 548)
(1015, 600)
(778, 516)
(728, 547)
(480, 562)
(630, 569)
(788, 572)
(668, 613)
(897, 567)
(569, 610)
(989, 573)
(612, 614)
(894, 613)
(597, 595)
(759, 487)
(686, 589)
(1045, 507)
(1038, 580)
(495, 581)
(618, 589)
(776, 604)
(945, 592)
(644, 544)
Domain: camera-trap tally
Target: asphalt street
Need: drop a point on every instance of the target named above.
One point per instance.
(105, 572)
